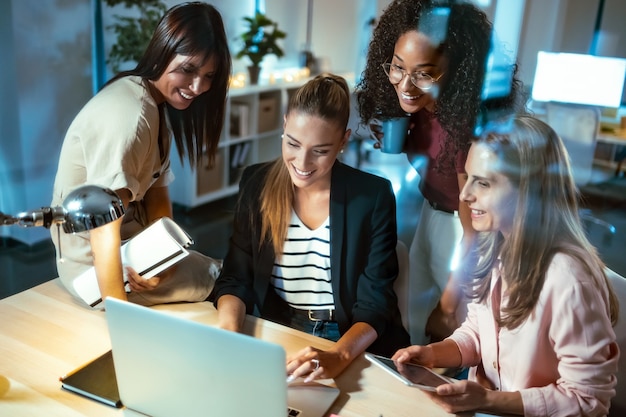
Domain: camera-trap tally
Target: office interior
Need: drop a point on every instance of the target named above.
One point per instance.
(49, 74)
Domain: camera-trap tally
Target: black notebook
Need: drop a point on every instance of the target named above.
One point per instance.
(95, 380)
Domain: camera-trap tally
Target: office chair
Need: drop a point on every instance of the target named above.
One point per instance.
(618, 403)
(577, 126)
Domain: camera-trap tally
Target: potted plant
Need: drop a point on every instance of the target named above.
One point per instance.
(133, 33)
(259, 41)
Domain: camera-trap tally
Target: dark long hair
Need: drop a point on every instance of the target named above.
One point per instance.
(466, 48)
(193, 28)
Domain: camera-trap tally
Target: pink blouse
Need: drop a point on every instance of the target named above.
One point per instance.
(562, 359)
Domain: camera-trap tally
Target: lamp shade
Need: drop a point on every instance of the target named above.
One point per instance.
(89, 207)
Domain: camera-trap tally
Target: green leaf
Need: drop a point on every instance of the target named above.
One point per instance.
(260, 39)
(133, 34)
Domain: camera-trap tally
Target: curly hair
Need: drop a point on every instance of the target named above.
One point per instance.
(466, 48)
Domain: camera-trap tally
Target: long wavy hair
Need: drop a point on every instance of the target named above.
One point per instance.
(326, 96)
(466, 48)
(546, 220)
(193, 28)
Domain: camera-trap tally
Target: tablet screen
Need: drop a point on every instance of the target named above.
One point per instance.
(411, 374)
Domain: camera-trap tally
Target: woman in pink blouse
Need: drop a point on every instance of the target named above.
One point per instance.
(538, 336)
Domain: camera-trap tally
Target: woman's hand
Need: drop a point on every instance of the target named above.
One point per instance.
(460, 396)
(376, 132)
(422, 355)
(140, 284)
(445, 354)
(313, 363)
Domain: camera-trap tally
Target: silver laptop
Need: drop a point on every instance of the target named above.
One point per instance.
(168, 366)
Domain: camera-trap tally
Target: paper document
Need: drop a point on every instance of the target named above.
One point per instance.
(154, 249)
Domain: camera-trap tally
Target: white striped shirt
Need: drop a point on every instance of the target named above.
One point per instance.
(301, 276)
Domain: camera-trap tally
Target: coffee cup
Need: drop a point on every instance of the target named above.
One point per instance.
(394, 134)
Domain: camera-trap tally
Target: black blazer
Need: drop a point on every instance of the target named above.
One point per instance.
(364, 264)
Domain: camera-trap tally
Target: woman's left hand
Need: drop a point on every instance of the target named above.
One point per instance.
(312, 363)
(459, 396)
(140, 284)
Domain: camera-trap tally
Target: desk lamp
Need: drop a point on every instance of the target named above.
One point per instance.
(83, 209)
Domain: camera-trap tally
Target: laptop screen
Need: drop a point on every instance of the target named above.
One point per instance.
(170, 366)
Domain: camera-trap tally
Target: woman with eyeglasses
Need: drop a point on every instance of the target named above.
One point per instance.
(422, 64)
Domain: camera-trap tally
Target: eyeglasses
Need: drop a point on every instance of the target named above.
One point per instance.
(419, 79)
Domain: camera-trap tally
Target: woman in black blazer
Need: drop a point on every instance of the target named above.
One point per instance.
(314, 240)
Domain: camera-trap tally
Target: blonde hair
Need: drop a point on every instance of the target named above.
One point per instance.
(326, 96)
(546, 220)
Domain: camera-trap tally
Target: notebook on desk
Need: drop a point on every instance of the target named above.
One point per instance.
(168, 366)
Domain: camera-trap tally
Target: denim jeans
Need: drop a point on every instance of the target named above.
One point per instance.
(325, 329)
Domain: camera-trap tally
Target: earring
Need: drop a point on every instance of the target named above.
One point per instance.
(341, 151)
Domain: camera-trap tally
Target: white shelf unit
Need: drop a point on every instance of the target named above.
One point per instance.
(252, 133)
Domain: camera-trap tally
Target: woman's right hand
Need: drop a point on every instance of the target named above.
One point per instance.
(376, 132)
(312, 363)
(422, 355)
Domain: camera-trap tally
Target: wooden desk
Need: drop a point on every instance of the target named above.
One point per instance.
(45, 333)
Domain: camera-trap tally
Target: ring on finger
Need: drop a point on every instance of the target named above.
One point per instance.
(317, 364)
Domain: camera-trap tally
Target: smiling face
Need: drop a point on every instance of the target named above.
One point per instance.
(310, 147)
(413, 52)
(489, 194)
(184, 79)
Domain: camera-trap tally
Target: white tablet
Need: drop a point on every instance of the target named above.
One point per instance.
(411, 374)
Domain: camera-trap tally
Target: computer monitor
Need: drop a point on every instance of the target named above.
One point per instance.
(579, 78)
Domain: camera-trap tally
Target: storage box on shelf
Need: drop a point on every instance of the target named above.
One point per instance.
(251, 134)
(268, 113)
(209, 180)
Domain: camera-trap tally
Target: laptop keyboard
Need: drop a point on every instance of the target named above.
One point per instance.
(292, 412)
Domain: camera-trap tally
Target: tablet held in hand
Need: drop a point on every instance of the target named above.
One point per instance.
(409, 373)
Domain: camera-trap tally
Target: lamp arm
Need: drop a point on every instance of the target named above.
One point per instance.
(85, 208)
(6, 220)
(46, 217)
